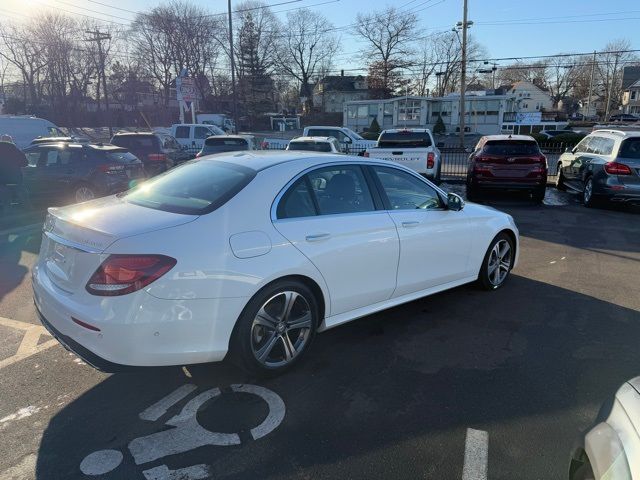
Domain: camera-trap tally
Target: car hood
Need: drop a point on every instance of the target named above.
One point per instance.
(98, 223)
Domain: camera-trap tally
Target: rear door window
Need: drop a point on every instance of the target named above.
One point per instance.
(407, 139)
(511, 147)
(297, 201)
(201, 132)
(182, 132)
(341, 189)
(194, 188)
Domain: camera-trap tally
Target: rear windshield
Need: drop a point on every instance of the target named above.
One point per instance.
(404, 139)
(310, 146)
(217, 142)
(511, 147)
(630, 148)
(121, 156)
(137, 141)
(195, 188)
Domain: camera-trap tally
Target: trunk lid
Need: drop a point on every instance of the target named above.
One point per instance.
(76, 236)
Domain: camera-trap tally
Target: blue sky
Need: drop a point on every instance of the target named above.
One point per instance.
(507, 28)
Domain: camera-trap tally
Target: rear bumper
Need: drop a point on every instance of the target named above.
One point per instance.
(619, 193)
(137, 330)
(510, 185)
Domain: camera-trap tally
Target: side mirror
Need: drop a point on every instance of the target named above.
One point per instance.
(455, 202)
(348, 140)
(440, 144)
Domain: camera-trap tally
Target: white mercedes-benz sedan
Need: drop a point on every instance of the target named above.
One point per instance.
(248, 255)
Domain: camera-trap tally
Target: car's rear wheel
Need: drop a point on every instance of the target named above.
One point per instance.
(538, 194)
(276, 328)
(589, 199)
(560, 179)
(497, 263)
(472, 192)
(84, 193)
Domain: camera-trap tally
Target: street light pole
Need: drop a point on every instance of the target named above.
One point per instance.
(233, 72)
(463, 71)
(593, 66)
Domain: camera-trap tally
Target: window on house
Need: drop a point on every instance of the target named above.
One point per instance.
(633, 95)
(409, 110)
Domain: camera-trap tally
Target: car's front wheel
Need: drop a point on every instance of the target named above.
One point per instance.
(276, 328)
(497, 263)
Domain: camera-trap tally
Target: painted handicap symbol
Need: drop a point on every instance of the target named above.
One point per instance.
(186, 435)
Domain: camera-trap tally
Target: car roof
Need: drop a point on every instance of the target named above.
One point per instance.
(399, 130)
(122, 134)
(488, 138)
(617, 133)
(262, 159)
(313, 139)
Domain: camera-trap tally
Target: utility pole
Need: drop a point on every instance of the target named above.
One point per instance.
(99, 37)
(463, 70)
(233, 72)
(593, 67)
(613, 77)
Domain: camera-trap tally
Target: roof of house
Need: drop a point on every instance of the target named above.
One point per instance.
(341, 83)
(630, 75)
(635, 84)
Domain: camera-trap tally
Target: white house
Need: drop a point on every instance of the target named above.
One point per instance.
(529, 97)
(631, 98)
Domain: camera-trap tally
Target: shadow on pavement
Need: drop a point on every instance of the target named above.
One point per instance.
(390, 395)
(12, 246)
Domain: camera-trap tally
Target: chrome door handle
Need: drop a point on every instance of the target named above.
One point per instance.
(317, 236)
(410, 224)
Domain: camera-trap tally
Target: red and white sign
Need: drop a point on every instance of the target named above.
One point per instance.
(186, 89)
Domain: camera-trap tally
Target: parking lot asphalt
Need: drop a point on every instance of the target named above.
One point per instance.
(464, 384)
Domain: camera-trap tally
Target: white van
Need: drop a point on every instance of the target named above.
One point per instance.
(24, 128)
(192, 135)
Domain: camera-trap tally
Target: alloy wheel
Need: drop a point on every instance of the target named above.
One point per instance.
(281, 329)
(84, 194)
(588, 191)
(499, 262)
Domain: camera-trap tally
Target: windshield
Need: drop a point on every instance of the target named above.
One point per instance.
(404, 139)
(196, 188)
(353, 134)
(310, 146)
(511, 147)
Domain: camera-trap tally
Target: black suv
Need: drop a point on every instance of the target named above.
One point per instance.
(158, 152)
(76, 172)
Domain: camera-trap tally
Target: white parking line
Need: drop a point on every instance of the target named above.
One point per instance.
(476, 455)
(29, 344)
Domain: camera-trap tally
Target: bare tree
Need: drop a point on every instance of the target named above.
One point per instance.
(388, 34)
(307, 47)
(426, 67)
(562, 76)
(609, 67)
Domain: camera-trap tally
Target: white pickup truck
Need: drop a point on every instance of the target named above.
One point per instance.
(350, 141)
(413, 148)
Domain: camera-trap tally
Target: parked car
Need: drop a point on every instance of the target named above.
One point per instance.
(24, 128)
(624, 117)
(40, 140)
(604, 166)
(150, 148)
(224, 144)
(507, 162)
(554, 133)
(609, 450)
(411, 147)
(77, 172)
(315, 144)
(350, 141)
(192, 135)
(180, 271)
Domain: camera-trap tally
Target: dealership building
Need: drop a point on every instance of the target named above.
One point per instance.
(484, 114)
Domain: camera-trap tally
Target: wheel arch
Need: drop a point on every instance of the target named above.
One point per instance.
(512, 235)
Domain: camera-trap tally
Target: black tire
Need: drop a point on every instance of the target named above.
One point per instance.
(538, 195)
(438, 178)
(560, 180)
(589, 199)
(585, 472)
(246, 332)
(472, 193)
(486, 277)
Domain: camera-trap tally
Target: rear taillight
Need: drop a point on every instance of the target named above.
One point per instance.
(198, 155)
(156, 157)
(111, 168)
(615, 168)
(431, 160)
(122, 274)
(264, 145)
(366, 154)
